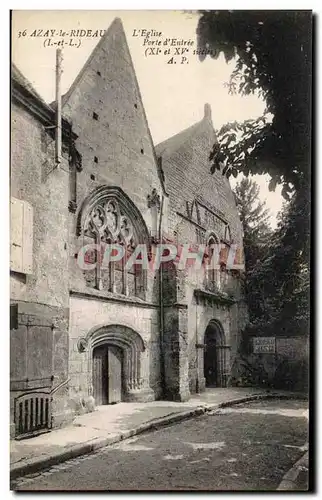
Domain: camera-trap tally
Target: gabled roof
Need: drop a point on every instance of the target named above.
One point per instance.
(24, 93)
(21, 80)
(115, 25)
(173, 143)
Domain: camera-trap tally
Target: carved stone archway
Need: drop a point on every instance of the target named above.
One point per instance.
(108, 216)
(135, 384)
(112, 194)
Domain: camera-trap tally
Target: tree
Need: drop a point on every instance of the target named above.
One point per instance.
(278, 293)
(273, 53)
(278, 297)
(254, 217)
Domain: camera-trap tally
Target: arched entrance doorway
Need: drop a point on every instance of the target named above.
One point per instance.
(115, 364)
(215, 355)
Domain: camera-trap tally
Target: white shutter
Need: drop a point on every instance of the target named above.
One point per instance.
(21, 236)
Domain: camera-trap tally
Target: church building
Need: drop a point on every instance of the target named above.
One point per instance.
(103, 334)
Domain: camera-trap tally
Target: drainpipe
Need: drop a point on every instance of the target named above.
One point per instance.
(161, 305)
(197, 350)
(58, 135)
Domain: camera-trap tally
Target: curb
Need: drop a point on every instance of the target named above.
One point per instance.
(36, 465)
(289, 481)
(39, 464)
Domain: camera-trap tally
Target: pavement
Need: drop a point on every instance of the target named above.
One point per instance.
(113, 423)
(245, 447)
(297, 478)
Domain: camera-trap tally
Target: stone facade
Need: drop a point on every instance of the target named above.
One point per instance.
(39, 297)
(114, 186)
(201, 206)
(105, 106)
(284, 367)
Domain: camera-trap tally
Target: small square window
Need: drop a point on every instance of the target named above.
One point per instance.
(99, 73)
(95, 116)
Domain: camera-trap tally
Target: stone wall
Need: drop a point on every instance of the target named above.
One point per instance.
(292, 363)
(88, 315)
(286, 368)
(115, 145)
(230, 313)
(39, 339)
(185, 162)
(105, 107)
(36, 180)
(116, 151)
(187, 174)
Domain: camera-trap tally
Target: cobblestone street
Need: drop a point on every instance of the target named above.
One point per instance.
(159, 276)
(247, 447)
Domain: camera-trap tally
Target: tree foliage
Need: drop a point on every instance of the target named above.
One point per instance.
(272, 50)
(255, 219)
(273, 58)
(278, 284)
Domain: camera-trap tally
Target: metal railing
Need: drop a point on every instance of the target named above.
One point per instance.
(32, 414)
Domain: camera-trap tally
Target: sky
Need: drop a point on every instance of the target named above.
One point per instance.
(173, 94)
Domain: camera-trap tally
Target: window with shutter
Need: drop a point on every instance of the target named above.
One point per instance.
(21, 236)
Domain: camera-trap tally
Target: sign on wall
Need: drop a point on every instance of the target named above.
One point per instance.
(262, 345)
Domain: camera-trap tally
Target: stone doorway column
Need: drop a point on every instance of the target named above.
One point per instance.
(176, 355)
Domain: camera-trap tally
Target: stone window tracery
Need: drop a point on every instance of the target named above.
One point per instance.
(111, 220)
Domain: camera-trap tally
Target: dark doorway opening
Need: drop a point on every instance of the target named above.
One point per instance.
(214, 355)
(107, 374)
(211, 363)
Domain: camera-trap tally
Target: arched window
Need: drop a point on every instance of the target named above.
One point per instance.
(224, 272)
(213, 274)
(108, 216)
(227, 234)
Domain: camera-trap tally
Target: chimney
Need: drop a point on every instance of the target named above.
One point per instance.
(207, 112)
(58, 136)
